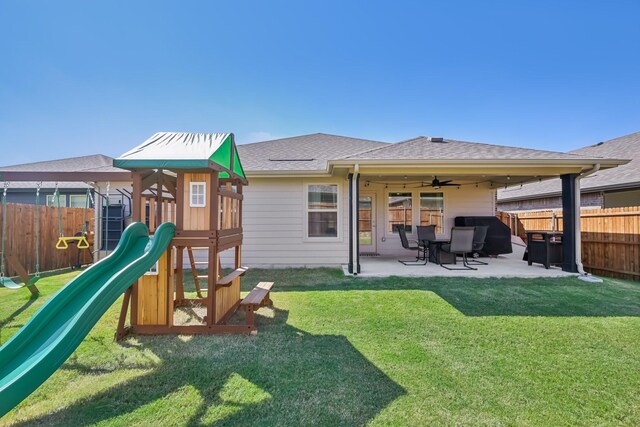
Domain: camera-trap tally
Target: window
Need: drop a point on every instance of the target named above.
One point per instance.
(322, 210)
(78, 201)
(197, 197)
(51, 201)
(399, 209)
(153, 271)
(432, 210)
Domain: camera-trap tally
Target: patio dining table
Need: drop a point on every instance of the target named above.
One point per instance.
(434, 247)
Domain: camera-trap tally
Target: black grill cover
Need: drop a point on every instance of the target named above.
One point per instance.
(498, 239)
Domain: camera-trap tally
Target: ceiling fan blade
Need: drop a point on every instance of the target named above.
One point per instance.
(446, 182)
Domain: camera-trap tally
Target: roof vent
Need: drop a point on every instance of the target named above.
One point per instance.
(435, 139)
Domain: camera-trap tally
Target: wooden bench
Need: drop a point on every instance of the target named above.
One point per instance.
(258, 297)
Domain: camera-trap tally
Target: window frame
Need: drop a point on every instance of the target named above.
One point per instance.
(84, 204)
(415, 207)
(387, 216)
(63, 200)
(444, 194)
(192, 185)
(337, 210)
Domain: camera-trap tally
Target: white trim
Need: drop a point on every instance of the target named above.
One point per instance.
(191, 194)
(338, 211)
(154, 270)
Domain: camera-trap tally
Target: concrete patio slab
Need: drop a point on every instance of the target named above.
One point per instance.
(510, 265)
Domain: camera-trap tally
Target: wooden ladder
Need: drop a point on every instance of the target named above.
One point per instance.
(194, 269)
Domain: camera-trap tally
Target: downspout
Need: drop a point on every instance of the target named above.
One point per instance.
(354, 213)
(578, 233)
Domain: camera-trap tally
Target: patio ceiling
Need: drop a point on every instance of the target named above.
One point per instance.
(420, 179)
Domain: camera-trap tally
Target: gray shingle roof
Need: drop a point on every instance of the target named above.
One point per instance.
(625, 176)
(423, 148)
(301, 153)
(92, 163)
(30, 185)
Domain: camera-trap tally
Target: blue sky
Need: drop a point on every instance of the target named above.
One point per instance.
(91, 77)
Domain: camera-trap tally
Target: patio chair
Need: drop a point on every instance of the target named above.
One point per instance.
(422, 256)
(478, 243)
(461, 244)
(426, 234)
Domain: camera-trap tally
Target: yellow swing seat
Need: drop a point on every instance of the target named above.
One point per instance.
(63, 242)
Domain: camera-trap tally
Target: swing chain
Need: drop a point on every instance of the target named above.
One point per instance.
(56, 197)
(106, 233)
(38, 186)
(4, 227)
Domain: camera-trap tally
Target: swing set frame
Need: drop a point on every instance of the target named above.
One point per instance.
(29, 282)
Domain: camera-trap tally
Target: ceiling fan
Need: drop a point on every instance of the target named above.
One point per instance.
(436, 183)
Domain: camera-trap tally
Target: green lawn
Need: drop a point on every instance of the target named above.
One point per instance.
(343, 351)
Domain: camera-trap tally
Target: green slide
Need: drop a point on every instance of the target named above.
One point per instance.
(56, 330)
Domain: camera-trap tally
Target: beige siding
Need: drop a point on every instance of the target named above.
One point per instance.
(274, 215)
(274, 222)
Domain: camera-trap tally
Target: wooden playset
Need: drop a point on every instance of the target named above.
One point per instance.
(196, 182)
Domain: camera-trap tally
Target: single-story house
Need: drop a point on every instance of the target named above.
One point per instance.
(607, 188)
(321, 199)
(324, 199)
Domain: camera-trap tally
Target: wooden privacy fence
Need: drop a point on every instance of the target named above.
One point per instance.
(20, 238)
(610, 237)
(402, 215)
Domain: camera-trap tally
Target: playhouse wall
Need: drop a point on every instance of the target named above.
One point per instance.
(152, 294)
(226, 298)
(196, 218)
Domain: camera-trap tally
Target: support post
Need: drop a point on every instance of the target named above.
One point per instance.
(212, 279)
(569, 239)
(350, 178)
(357, 224)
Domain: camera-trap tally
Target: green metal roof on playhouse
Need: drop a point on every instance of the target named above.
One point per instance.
(185, 150)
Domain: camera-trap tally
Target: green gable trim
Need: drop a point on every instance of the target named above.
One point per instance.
(237, 166)
(222, 155)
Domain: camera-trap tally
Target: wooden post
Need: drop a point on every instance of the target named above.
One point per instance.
(179, 278)
(136, 215)
(213, 272)
(180, 203)
(170, 281)
(121, 332)
(158, 212)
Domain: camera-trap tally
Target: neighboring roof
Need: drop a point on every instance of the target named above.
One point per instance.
(31, 185)
(304, 153)
(183, 150)
(93, 162)
(96, 167)
(428, 148)
(622, 177)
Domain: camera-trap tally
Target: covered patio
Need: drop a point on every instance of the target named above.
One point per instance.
(432, 181)
(510, 265)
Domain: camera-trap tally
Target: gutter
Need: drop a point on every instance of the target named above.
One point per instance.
(577, 230)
